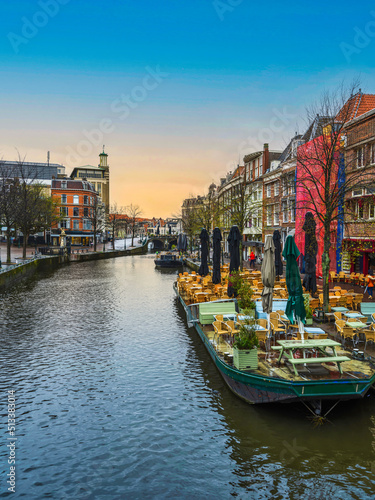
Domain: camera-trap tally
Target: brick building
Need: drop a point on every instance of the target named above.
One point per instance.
(359, 229)
(76, 199)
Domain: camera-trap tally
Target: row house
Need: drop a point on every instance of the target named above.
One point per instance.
(227, 194)
(350, 231)
(257, 166)
(358, 248)
(76, 199)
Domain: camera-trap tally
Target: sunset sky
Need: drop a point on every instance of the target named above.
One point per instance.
(178, 91)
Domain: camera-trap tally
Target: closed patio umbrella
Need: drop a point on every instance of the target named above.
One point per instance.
(203, 269)
(216, 275)
(278, 262)
(268, 274)
(295, 308)
(311, 249)
(182, 242)
(234, 239)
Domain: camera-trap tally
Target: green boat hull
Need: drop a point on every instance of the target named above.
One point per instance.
(255, 388)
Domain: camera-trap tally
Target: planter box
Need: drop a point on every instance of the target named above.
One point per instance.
(245, 359)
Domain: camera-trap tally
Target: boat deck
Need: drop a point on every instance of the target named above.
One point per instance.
(268, 365)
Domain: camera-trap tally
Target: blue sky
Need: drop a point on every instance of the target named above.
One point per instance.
(226, 66)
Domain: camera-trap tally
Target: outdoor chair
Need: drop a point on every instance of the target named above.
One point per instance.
(333, 276)
(348, 335)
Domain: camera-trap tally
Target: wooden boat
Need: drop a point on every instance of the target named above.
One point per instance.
(275, 381)
(168, 259)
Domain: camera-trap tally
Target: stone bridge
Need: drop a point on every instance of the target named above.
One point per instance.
(161, 242)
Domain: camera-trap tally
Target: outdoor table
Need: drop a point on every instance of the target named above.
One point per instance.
(356, 324)
(287, 347)
(310, 329)
(256, 327)
(229, 317)
(353, 315)
(243, 317)
(339, 309)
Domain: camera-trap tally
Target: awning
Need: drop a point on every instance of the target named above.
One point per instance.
(253, 244)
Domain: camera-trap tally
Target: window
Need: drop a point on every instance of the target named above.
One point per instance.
(276, 189)
(75, 199)
(269, 216)
(371, 214)
(64, 184)
(85, 212)
(359, 211)
(285, 186)
(268, 188)
(76, 224)
(292, 210)
(64, 211)
(99, 188)
(85, 200)
(284, 209)
(75, 212)
(63, 198)
(64, 224)
(86, 224)
(292, 186)
(372, 153)
(357, 192)
(276, 216)
(360, 157)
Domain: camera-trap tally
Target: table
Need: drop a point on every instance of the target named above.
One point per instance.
(255, 326)
(353, 315)
(310, 329)
(356, 324)
(243, 317)
(287, 348)
(339, 309)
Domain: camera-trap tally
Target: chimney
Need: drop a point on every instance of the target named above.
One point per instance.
(266, 158)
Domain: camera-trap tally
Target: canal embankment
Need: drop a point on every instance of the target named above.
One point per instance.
(25, 268)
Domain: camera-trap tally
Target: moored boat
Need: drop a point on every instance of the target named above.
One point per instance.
(332, 376)
(169, 259)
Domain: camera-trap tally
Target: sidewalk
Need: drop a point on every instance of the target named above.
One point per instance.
(17, 253)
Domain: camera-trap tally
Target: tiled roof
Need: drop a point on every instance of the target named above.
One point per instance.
(356, 106)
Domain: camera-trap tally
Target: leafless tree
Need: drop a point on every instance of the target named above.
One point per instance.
(321, 168)
(96, 215)
(116, 220)
(9, 192)
(134, 212)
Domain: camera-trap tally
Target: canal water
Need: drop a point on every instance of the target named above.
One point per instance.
(117, 399)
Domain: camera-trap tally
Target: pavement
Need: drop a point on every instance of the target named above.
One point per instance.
(17, 253)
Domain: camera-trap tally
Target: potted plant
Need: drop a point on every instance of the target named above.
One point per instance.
(245, 348)
(244, 292)
(309, 316)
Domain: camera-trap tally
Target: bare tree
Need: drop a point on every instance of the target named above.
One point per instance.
(321, 168)
(115, 220)
(243, 207)
(134, 212)
(9, 193)
(95, 216)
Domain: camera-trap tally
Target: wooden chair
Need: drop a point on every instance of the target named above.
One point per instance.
(341, 276)
(262, 337)
(340, 324)
(219, 317)
(220, 329)
(348, 335)
(232, 327)
(357, 301)
(342, 301)
(349, 301)
(337, 315)
(333, 276)
(277, 327)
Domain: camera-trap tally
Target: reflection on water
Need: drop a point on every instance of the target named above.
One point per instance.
(116, 398)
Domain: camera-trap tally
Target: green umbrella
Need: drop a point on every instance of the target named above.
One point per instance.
(295, 305)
